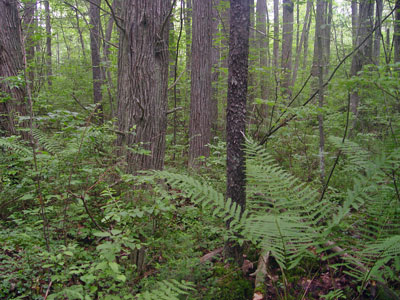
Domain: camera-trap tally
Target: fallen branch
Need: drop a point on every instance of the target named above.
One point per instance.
(260, 274)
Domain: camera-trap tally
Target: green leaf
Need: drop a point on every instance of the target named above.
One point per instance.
(114, 266)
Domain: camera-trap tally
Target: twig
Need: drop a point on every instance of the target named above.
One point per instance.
(48, 290)
(176, 81)
(171, 111)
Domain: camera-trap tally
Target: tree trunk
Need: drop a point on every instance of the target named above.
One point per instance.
(188, 32)
(106, 54)
(262, 45)
(378, 32)
(12, 89)
(301, 42)
(287, 44)
(317, 74)
(305, 53)
(275, 51)
(29, 30)
(236, 110)
(48, 43)
(354, 20)
(364, 53)
(143, 82)
(215, 53)
(94, 14)
(200, 103)
(396, 33)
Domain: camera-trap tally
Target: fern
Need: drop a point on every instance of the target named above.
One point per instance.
(168, 290)
(48, 143)
(208, 198)
(13, 143)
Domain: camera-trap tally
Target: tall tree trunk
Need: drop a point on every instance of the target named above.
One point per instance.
(318, 73)
(287, 44)
(305, 53)
(188, 32)
(378, 32)
(48, 43)
(29, 30)
(143, 82)
(354, 21)
(301, 42)
(200, 103)
(12, 92)
(396, 33)
(327, 32)
(215, 67)
(364, 53)
(262, 45)
(95, 25)
(275, 51)
(106, 54)
(236, 110)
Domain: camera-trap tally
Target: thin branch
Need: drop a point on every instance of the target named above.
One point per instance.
(166, 20)
(286, 120)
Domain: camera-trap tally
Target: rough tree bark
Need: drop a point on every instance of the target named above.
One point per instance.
(287, 44)
(143, 81)
(12, 89)
(236, 110)
(95, 25)
(200, 103)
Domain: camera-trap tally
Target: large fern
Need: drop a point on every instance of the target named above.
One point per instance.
(286, 216)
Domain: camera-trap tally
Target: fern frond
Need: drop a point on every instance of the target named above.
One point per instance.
(207, 197)
(12, 143)
(48, 143)
(168, 290)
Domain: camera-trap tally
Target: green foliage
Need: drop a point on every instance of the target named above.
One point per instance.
(168, 290)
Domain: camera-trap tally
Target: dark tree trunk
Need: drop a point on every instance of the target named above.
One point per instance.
(13, 91)
(143, 81)
(94, 14)
(364, 54)
(287, 44)
(236, 110)
(48, 43)
(200, 103)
